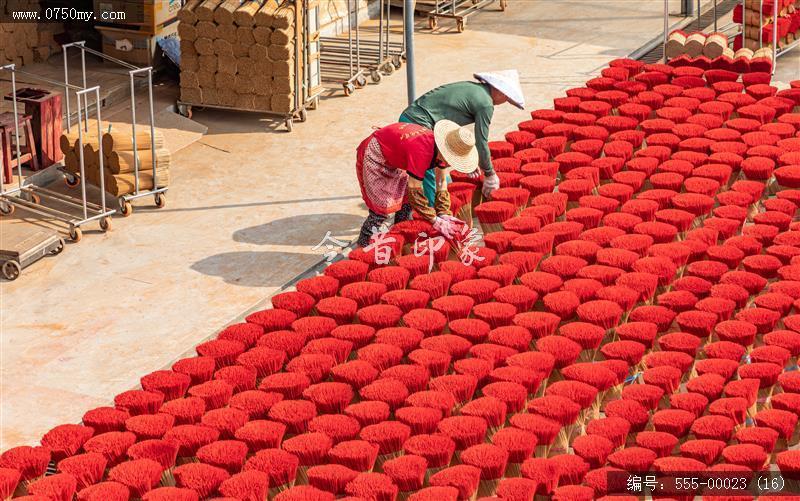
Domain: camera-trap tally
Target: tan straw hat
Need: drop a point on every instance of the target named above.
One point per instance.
(457, 145)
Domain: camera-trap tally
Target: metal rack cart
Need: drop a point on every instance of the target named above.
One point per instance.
(30, 196)
(158, 193)
(306, 92)
(340, 58)
(459, 10)
(738, 29)
(776, 51)
(349, 60)
(384, 55)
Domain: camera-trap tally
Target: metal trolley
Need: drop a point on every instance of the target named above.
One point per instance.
(349, 60)
(738, 29)
(776, 51)
(158, 192)
(306, 95)
(340, 59)
(459, 10)
(30, 196)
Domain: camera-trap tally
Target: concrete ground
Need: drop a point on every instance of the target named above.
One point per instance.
(246, 207)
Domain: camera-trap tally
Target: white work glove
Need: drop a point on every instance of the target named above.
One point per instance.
(490, 183)
(447, 228)
(452, 219)
(474, 174)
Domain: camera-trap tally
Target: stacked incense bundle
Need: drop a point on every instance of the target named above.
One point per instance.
(118, 157)
(239, 55)
(758, 20)
(23, 43)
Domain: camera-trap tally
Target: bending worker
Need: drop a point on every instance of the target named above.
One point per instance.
(392, 162)
(466, 103)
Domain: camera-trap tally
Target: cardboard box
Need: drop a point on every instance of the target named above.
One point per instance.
(146, 15)
(134, 46)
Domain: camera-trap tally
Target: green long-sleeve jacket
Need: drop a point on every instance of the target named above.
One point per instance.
(463, 103)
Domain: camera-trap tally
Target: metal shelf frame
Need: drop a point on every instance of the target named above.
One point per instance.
(349, 60)
(456, 9)
(740, 31)
(30, 196)
(134, 72)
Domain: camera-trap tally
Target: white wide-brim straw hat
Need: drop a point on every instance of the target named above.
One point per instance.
(457, 145)
(507, 82)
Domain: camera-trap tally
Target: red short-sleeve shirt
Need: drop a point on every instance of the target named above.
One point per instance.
(408, 147)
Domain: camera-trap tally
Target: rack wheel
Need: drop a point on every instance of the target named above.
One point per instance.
(349, 88)
(72, 180)
(60, 247)
(361, 81)
(125, 208)
(34, 198)
(289, 124)
(461, 25)
(75, 234)
(397, 61)
(7, 209)
(161, 200)
(387, 68)
(105, 223)
(11, 270)
(376, 76)
(185, 110)
(303, 115)
(432, 23)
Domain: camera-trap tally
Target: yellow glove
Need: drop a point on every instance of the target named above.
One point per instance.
(442, 204)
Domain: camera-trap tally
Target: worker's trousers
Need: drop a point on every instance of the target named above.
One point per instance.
(374, 221)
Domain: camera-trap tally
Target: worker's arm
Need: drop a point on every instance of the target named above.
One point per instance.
(416, 197)
(442, 203)
(483, 120)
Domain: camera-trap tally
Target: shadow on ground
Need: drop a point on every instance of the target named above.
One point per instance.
(256, 269)
(295, 230)
(274, 268)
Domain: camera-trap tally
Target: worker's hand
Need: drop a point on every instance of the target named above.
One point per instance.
(447, 228)
(460, 228)
(452, 219)
(474, 174)
(490, 183)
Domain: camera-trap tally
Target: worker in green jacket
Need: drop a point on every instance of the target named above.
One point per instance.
(465, 103)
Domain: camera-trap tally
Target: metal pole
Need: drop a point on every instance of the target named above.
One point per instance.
(16, 125)
(133, 137)
(699, 27)
(404, 27)
(388, 26)
(715, 15)
(774, 37)
(350, 35)
(380, 33)
(666, 28)
(80, 157)
(153, 120)
(85, 97)
(408, 37)
(100, 152)
(760, 23)
(66, 84)
(358, 40)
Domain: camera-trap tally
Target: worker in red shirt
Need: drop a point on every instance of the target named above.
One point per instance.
(392, 163)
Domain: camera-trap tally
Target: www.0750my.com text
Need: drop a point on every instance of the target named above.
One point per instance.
(67, 14)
